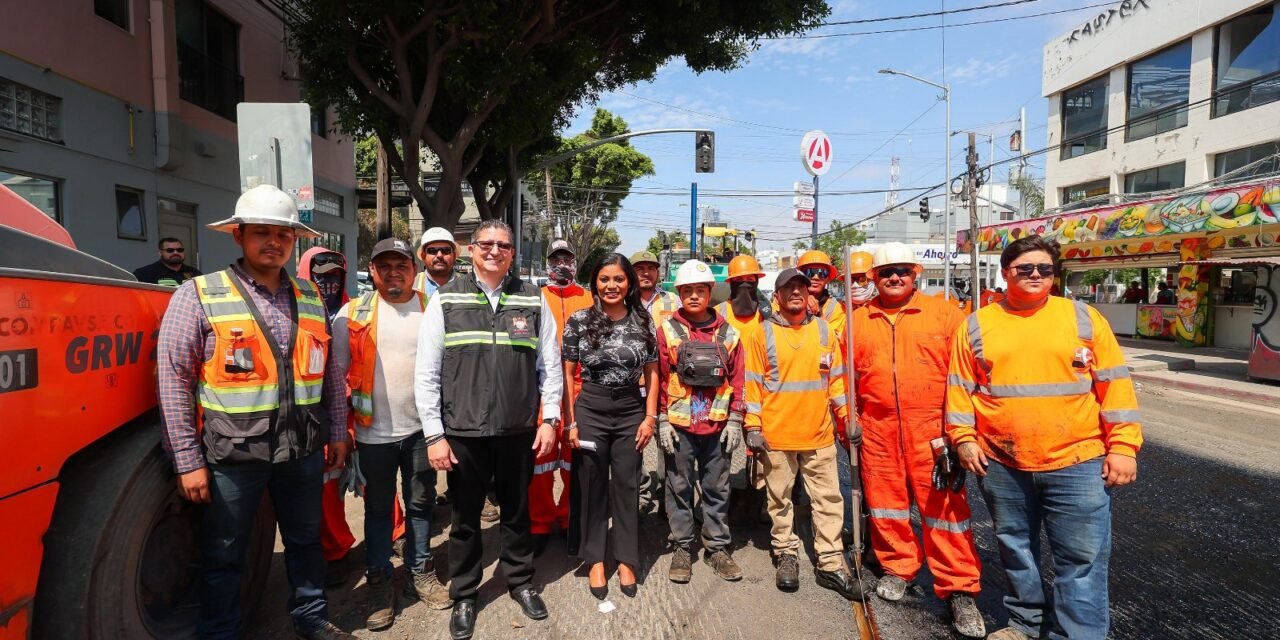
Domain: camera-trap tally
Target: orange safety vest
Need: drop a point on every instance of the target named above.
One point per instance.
(743, 324)
(793, 388)
(663, 306)
(679, 396)
(564, 302)
(362, 323)
(241, 382)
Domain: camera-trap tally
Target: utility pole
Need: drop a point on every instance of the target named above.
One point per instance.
(815, 212)
(693, 221)
(971, 191)
(383, 191)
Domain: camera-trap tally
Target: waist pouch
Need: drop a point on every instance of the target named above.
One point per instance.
(700, 364)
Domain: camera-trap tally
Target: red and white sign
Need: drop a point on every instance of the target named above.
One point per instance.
(803, 215)
(815, 151)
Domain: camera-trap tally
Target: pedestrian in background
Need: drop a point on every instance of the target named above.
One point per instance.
(700, 421)
(1041, 407)
(170, 270)
(438, 253)
(660, 305)
(488, 351)
(250, 399)
(614, 417)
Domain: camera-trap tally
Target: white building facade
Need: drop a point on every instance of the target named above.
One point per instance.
(1154, 95)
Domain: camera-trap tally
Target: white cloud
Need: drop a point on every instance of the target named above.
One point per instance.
(981, 72)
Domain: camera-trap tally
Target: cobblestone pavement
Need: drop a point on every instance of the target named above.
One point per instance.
(1196, 555)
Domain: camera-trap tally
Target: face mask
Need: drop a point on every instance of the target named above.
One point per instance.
(330, 286)
(562, 274)
(862, 292)
(742, 298)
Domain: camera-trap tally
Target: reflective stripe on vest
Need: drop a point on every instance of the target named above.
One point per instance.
(1081, 385)
(362, 327)
(771, 379)
(680, 397)
(234, 395)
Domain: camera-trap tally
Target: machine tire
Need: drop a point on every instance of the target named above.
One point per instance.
(121, 557)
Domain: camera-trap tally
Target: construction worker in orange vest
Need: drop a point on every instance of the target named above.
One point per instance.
(660, 305)
(817, 266)
(860, 272)
(902, 342)
(795, 396)
(743, 310)
(1040, 406)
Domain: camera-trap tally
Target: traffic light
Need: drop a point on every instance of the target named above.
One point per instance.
(704, 152)
(924, 209)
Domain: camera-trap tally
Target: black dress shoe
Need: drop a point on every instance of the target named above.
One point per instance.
(462, 622)
(599, 592)
(841, 582)
(530, 602)
(629, 590)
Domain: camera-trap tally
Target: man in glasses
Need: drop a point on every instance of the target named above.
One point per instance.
(488, 349)
(170, 270)
(902, 341)
(438, 253)
(1041, 408)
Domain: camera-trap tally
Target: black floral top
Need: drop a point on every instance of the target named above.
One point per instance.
(621, 357)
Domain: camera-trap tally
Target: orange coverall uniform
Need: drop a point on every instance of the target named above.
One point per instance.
(900, 362)
(544, 513)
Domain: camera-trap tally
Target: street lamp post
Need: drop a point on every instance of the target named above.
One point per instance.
(946, 218)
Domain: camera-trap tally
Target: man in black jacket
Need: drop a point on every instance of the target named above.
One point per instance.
(169, 270)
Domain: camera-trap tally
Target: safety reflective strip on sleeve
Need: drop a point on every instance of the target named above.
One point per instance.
(1121, 415)
(961, 418)
(956, 380)
(943, 525)
(1084, 324)
(546, 467)
(975, 337)
(890, 514)
(1114, 373)
(754, 408)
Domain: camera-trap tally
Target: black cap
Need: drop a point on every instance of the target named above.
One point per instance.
(391, 245)
(788, 275)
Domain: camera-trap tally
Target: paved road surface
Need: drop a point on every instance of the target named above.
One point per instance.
(1196, 556)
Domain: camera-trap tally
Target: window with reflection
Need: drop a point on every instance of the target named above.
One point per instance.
(1247, 70)
(1159, 90)
(1084, 118)
(1169, 176)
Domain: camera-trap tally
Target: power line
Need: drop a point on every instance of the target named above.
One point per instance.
(932, 27)
(928, 15)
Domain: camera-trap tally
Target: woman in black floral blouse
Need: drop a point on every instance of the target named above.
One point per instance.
(612, 419)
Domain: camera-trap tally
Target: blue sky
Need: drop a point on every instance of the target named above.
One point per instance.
(789, 86)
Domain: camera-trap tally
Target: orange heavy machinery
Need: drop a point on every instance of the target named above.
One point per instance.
(94, 540)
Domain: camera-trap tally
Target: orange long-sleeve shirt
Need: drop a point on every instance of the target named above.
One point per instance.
(1041, 390)
(794, 379)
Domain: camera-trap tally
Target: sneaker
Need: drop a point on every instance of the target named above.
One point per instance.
(965, 616)
(1009, 633)
(326, 631)
(427, 588)
(382, 603)
(892, 588)
(681, 570)
(788, 575)
(490, 512)
(724, 566)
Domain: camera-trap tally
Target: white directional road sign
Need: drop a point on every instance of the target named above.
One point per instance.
(802, 202)
(815, 152)
(804, 188)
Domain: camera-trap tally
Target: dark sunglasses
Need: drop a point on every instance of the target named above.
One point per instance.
(439, 251)
(172, 250)
(889, 272)
(328, 258)
(488, 245)
(816, 273)
(1025, 270)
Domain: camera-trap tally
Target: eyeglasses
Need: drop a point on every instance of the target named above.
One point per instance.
(438, 251)
(859, 279)
(486, 246)
(328, 258)
(1025, 270)
(816, 273)
(889, 272)
(174, 250)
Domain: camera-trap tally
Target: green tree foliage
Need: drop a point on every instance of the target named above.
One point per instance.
(1031, 192)
(367, 221)
(834, 240)
(484, 85)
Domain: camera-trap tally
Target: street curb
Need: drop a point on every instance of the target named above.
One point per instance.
(1221, 391)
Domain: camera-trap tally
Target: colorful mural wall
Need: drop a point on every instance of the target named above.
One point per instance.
(1156, 321)
(1264, 357)
(1139, 228)
(1191, 327)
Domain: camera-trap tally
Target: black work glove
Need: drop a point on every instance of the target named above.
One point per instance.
(756, 442)
(943, 466)
(958, 472)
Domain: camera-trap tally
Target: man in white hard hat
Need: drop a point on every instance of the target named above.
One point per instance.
(700, 412)
(249, 399)
(438, 253)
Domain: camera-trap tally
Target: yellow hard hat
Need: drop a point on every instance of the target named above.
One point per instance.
(813, 258)
(859, 262)
(745, 267)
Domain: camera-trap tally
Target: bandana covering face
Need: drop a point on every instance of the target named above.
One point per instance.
(742, 298)
(863, 292)
(562, 275)
(330, 286)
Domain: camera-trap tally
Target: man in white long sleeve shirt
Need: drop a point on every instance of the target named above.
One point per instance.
(488, 351)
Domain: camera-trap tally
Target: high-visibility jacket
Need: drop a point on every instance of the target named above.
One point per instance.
(362, 323)
(900, 369)
(245, 386)
(564, 302)
(663, 304)
(1041, 390)
(744, 323)
(831, 310)
(794, 379)
(679, 408)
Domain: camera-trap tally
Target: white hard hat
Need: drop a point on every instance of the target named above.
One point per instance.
(694, 272)
(892, 253)
(437, 234)
(265, 204)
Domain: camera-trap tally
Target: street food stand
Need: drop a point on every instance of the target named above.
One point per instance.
(1224, 244)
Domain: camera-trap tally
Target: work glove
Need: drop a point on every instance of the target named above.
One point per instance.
(853, 431)
(947, 471)
(666, 434)
(352, 479)
(731, 436)
(756, 442)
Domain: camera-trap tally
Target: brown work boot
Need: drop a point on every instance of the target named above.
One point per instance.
(1009, 633)
(787, 578)
(382, 603)
(965, 616)
(681, 570)
(490, 512)
(724, 565)
(326, 631)
(427, 588)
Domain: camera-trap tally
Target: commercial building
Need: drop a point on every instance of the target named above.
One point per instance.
(117, 118)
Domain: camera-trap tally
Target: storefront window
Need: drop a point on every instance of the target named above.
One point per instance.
(1265, 155)
(1170, 176)
(1235, 287)
(1159, 85)
(1248, 62)
(1084, 118)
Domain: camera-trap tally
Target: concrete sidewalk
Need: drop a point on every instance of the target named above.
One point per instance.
(1211, 371)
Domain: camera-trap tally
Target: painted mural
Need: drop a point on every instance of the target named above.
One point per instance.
(1191, 325)
(1156, 321)
(1151, 226)
(1264, 357)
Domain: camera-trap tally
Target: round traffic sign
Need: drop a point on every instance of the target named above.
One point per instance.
(815, 152)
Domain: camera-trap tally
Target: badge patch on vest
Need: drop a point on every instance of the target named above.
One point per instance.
(824, 363)
(315, 360)
(519, 328)
(1082, 359)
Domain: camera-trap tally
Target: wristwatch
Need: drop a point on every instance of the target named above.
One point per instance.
(554, 422)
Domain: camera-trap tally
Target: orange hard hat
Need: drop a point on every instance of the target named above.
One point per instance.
(859, 262)
(812, 258)
(744, 267)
